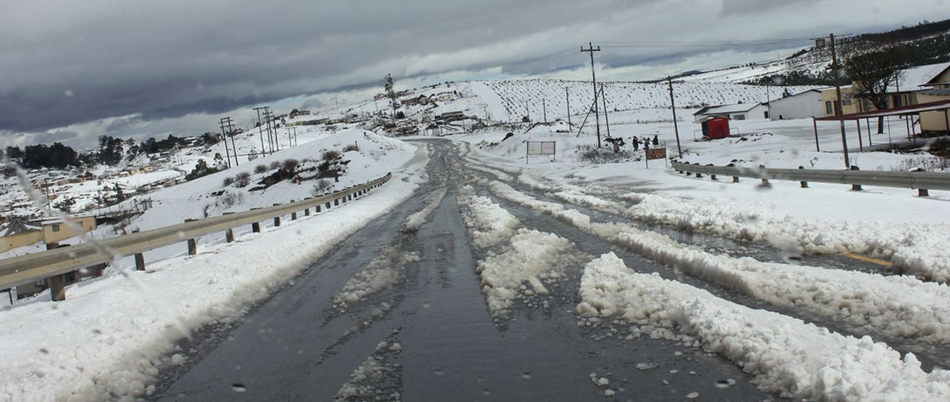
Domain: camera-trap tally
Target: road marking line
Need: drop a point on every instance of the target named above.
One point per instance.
(869, 259)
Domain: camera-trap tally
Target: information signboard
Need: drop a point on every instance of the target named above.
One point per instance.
(541, 148)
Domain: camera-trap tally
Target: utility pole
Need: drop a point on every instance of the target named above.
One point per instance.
(603, 97)
(676, 129)
(260, 129)
(224, 132)
(526, 111)
(590, 49)
(836, 67)
(567, 92)
(271, 133)
(227, 121)
(839, 111)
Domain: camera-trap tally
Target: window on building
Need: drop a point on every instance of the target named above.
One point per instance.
(829, 107)
(739, 117)
(55, 228)
(766, 114)
(846, 102)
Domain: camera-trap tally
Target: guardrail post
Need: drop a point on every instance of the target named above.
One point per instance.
(765, 182)
(276, 218)
(712, 176)
(922, 192)
(306, 212)
(139, 262)
(699, 175)
(688, 173)
(735, 179)
(229, 233)
(804, 184)
(855, 187)
(316, 209)
(57, 287)
(256, 227)
(336, 202)
(192, 243)
(293, 216)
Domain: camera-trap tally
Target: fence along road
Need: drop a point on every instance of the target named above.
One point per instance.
(922, 181)
(52, 264)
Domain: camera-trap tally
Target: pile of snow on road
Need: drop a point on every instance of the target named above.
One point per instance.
(531, 257)
(786, 355)
(489, 222)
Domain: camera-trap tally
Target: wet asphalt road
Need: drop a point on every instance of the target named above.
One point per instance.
(298, 346)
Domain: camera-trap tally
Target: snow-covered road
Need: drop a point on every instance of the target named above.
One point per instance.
(490, 286)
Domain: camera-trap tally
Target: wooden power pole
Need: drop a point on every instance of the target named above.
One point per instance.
(590, 49)
(676, 129)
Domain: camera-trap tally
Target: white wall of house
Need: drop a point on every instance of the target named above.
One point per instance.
(800, 106)
(757, 112)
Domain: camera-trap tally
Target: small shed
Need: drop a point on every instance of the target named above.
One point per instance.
(715, 128)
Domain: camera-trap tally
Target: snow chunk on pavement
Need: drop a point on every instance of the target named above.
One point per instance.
(490, 223)
(382, 272)
(787, 355)
(530, 257)
(414, 221)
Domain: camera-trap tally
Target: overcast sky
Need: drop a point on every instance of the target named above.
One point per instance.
(73, 70)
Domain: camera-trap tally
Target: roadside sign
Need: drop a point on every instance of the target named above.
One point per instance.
(653, 154)
(540, 148)
(656, 153)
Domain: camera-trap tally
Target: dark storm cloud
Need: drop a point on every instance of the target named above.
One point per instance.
(65, 63)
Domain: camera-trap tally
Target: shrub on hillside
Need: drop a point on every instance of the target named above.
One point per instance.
(592, 154)
(242, 179)
(940, 147)
(290, 165)
(275, 165)
(228, 181)
(260, 169)
(321, 187)
(351, 147)
(330, 155)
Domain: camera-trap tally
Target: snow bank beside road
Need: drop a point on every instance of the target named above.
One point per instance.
(788, 356)
(914, 247)
(108, 339)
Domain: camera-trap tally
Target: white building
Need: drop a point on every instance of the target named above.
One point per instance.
(742, 111)
(799, 106)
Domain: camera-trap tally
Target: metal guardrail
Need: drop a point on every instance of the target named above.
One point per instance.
(53, 263)
(922, 181)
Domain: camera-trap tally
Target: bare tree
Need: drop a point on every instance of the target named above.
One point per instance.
(873, 72)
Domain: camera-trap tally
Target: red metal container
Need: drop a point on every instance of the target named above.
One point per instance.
(716, 128)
